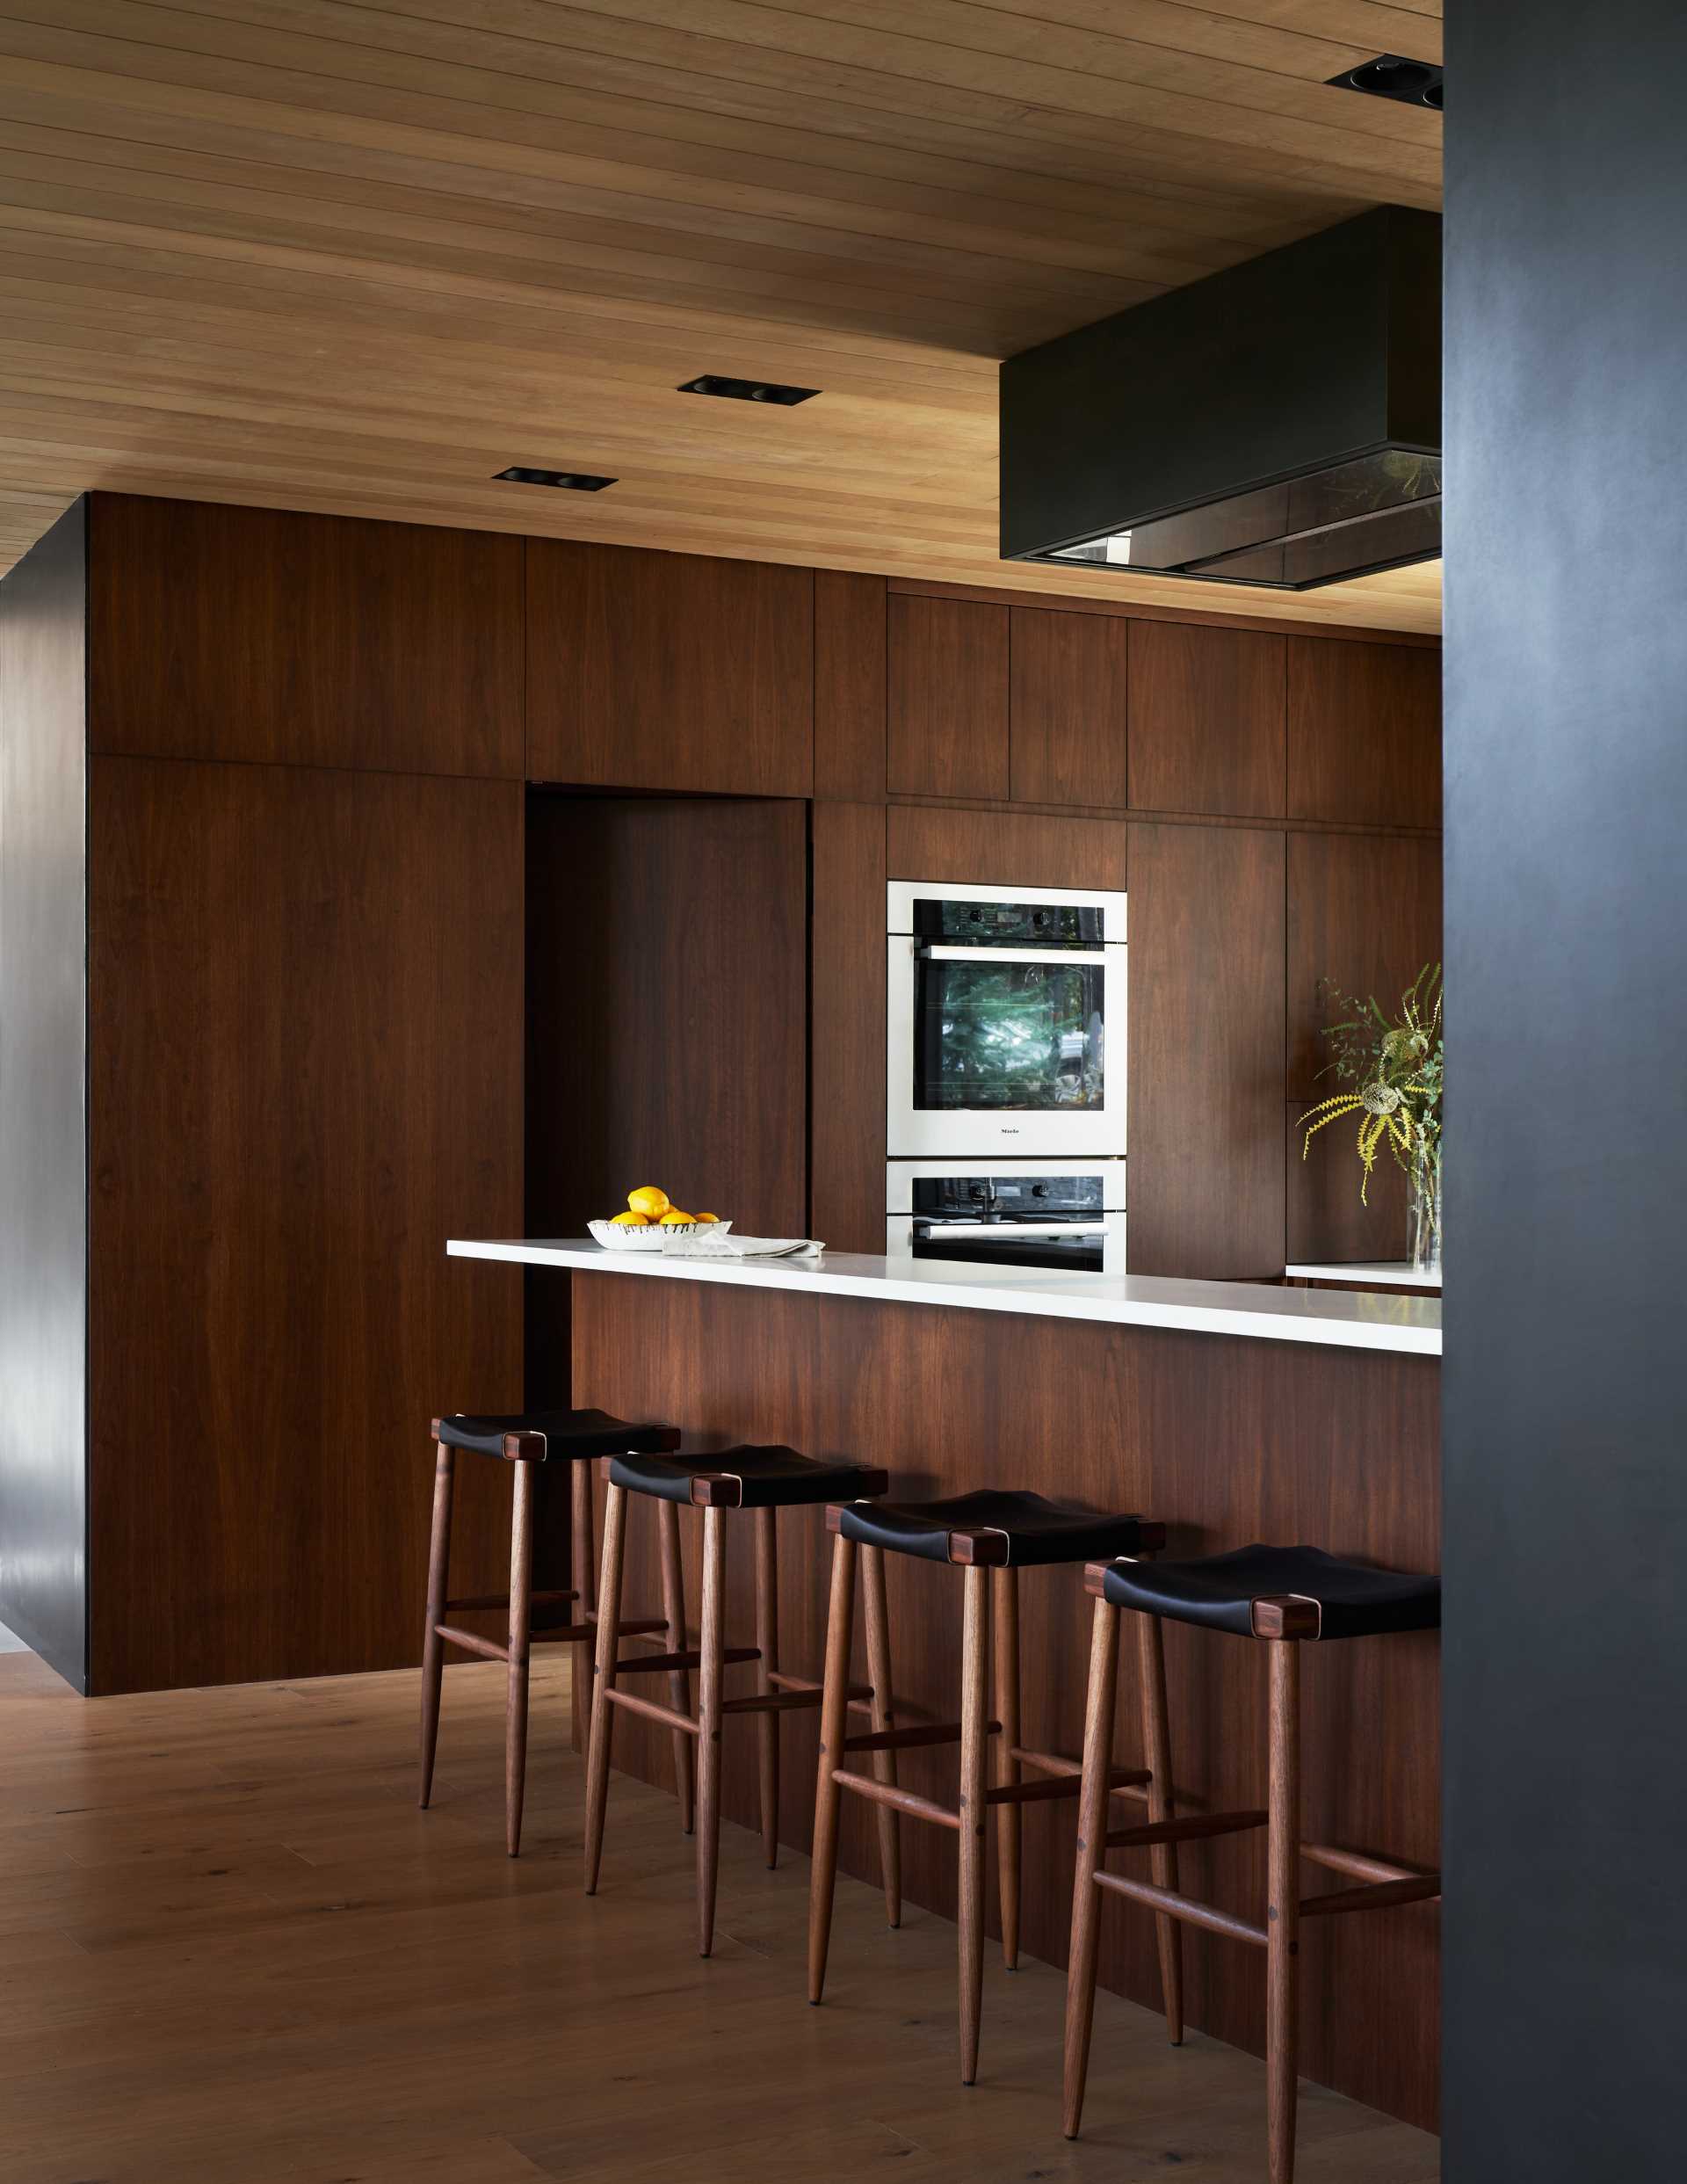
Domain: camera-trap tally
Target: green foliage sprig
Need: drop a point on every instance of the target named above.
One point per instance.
(1391, 1070)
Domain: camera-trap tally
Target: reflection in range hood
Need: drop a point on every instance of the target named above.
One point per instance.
(1277, 423)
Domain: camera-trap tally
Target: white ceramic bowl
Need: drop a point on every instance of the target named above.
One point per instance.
(651, 1239)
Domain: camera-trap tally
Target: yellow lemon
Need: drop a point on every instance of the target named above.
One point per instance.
(674, 1219)
(709, 1217)
(629, 1221)
(648, 1200)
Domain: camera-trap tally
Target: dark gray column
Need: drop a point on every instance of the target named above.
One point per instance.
(43, 1155)
(1566, 1376)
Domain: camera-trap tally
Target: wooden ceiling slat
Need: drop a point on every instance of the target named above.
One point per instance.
(1085, 221)
(352, 257)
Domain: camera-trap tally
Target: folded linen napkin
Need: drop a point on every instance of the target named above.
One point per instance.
(702, 1243)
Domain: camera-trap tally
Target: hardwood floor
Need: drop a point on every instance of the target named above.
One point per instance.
(233, 1952)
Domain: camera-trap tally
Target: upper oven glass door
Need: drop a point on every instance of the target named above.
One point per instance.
(1017, 1031)
(1007, 1024)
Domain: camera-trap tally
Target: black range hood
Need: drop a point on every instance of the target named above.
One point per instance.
(1277, 423)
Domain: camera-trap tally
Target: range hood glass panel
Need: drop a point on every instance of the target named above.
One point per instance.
(1375, 511)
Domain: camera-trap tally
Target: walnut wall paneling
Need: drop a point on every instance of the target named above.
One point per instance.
(301, 983)
(949, 701)
(1005, 849)
(253, 634)
(1229, 1439)
(849, 692)
(1070, 699)
(1208, 723)
(1364, 910)
(668, 1008)
(846, 1166)
(1329, 1222)
(1206, 1051)
(1365, 733)
(676, 672)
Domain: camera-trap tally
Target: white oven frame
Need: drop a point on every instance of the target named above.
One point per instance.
(899, 1200)
(959, 1134)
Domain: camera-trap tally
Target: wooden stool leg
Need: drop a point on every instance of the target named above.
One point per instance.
(712, 1645)
(884, 1763)
(679, 1683)
(767, 1642)
(581, 1578)
(1156, 1735)
(833, 1713)
(1092, 1840)
(975, 1812)
(433, 1646)
(1004, 1584)
(603, 1714)
(521, 1588)
(1283, 1925)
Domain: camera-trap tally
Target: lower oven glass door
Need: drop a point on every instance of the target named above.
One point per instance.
(995, 1049)
(1050, 1248)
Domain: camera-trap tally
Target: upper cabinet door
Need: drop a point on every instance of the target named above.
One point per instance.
(1364, 732)
(675, 672)
(254, 633)
(1070, 699)
(1206, 721)
(948, 723)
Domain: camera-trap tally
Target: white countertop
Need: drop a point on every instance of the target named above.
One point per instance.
(1398, 1272)
(1349, 1319)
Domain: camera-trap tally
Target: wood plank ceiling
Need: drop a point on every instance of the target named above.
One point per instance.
(315, 254)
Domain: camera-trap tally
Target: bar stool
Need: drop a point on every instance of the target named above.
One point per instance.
(572, 1437)
(1284, 1596)
(762, 1479)
(991, 1535)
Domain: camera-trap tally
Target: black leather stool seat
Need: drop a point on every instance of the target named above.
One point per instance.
(1000, 1526)
(773, 1477)
(564, 1436)
(1220, 1592)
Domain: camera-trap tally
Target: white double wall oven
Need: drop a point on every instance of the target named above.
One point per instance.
(1005, 1089)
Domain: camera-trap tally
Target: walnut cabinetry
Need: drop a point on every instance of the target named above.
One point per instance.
(670, 672)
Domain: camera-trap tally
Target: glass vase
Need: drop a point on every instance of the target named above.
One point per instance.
(1424, 1215)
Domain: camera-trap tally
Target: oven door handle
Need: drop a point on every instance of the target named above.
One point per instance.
(1053, 954)
(1008, 1229)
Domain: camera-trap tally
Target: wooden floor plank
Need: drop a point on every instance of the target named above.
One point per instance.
(233, 1952)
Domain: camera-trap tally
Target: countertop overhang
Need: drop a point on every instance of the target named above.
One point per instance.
(1343, 1319)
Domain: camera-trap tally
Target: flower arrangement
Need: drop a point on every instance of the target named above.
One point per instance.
(1391, 1076)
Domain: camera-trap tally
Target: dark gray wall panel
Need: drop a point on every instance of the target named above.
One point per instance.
(1566, 1390)
(43, 1165)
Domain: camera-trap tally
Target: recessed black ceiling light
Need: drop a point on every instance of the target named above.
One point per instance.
(1392, 75)
(572, 481)
(748, 390)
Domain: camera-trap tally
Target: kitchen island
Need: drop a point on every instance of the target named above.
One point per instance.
(1230, 1411)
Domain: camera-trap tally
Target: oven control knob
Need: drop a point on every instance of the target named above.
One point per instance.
(1040, 1190)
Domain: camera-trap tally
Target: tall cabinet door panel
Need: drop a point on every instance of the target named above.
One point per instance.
(947, 732)
(263, 634)
(1364, 732)
(675, 672)
(1207, 727)
(1070, 700)
(305, 1040)
(1207, 1040)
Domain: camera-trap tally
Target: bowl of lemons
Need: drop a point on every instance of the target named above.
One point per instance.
(651, 1221)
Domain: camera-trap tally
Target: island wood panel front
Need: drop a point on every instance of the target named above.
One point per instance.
(1228, 1439)
(304, 1019)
